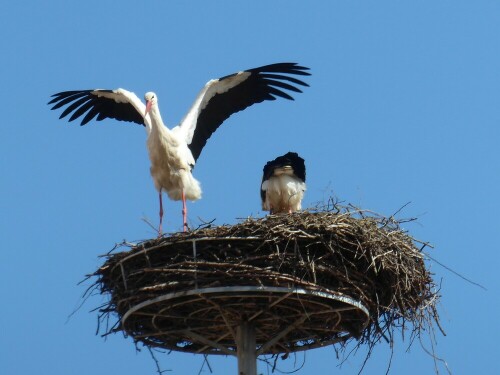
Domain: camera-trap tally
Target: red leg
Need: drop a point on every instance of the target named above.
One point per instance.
(161, 215)
(184, 212)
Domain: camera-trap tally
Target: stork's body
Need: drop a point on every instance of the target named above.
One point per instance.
(171, 161)
(283, 184)
(173, 152)
(171, 165)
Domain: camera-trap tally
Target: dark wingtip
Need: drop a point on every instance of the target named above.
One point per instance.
(302, 68)
(53, 100)
(284, 67)
(295, 68)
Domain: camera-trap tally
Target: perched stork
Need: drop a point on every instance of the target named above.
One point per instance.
(173, 152)
(283, 184)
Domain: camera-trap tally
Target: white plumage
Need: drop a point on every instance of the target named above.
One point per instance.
(173, 152)
(171, 159)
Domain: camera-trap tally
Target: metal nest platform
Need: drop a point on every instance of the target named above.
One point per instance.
(289, 282)
(285, 319)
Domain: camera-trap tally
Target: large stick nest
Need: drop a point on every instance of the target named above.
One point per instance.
(189, 291)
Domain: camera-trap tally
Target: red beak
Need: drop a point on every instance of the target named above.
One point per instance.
(148, 107)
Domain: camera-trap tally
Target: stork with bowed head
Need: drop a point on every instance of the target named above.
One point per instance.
(173, 152)
(283, 184)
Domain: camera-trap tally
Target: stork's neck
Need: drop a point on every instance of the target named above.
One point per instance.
(156, 120)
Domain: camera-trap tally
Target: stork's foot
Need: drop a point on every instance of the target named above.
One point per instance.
(184, 213)
(160, 228)
(160, 231)
(185, 227)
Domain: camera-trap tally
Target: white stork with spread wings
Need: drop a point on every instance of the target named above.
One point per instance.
(173, 152)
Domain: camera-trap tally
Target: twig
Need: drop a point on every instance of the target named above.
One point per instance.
(157, 363)
(455, 272)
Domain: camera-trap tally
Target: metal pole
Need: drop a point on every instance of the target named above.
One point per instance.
(245, 344)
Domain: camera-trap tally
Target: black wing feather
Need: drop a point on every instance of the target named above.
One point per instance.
(283, 85)
(76, 104)
(85, 100)
(284, 78)
(289, 68)
(90, 114)
(262, 84)
(80, 111)
(61, 100)
(275, 91)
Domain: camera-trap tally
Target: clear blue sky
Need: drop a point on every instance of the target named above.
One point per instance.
(404, 105)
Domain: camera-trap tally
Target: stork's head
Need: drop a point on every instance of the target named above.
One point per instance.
(151, 100)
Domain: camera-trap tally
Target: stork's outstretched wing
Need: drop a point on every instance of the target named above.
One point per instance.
(120, 104)
(222, 97)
